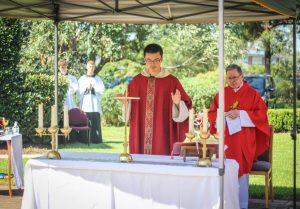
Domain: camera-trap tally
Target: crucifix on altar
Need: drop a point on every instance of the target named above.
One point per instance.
(125, 157)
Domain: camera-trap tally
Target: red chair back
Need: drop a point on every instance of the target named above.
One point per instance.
(77, 117)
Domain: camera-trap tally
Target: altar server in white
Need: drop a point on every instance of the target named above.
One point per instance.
(73, 85)
(91, 88)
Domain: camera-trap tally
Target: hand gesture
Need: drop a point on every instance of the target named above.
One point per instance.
(233, 114)
(176, 98)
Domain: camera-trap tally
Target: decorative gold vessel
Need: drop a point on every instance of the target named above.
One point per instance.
(204, 161)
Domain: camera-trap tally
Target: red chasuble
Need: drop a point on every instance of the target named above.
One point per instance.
(152, 129)
(244, 146)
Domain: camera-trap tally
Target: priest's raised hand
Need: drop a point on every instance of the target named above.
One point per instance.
(176, 97)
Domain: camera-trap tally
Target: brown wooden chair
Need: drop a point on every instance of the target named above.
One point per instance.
(263, 166)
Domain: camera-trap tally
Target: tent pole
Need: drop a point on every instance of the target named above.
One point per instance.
(294, 133)
(56, 20)
(220, 118)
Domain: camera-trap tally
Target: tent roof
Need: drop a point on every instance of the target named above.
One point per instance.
(148, 11)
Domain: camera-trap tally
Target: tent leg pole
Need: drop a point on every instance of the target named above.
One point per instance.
(294, 133)
(56, 21)
(220, 119)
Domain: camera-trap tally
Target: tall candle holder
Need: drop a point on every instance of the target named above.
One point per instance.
(204, 161)
(125, 157)
(53, 132)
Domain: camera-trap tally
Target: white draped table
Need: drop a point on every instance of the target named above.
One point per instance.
(15, 147)
(98, 180)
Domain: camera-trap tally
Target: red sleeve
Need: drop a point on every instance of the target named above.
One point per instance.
(260, 118)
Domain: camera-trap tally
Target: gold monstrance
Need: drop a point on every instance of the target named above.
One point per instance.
(125, 157)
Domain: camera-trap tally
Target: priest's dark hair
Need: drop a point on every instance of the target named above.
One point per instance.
(234, 67)
(153, 48)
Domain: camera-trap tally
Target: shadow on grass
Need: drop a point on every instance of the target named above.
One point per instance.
(280, 193)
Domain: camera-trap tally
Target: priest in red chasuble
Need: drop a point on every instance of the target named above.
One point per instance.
(247, 128)
(159, 117)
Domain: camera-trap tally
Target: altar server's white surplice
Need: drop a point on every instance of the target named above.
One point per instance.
(89, 101)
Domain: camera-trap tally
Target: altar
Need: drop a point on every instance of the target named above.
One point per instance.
(99, 180)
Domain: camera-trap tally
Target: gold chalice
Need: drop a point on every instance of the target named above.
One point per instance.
(4, 122)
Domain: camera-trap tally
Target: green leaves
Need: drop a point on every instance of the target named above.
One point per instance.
(282, 119)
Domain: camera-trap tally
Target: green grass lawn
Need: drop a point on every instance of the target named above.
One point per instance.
(282, 161)
(112, 142)
(282, 170)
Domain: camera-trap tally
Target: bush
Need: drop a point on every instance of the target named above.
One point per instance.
(37, 89)
(201, 89)
(282, 119)
(284, 91)
(111, 108)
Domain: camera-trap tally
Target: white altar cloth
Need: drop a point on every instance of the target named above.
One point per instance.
(16, 156)
(98, 180)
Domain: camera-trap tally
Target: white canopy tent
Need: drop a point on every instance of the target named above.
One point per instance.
(148, 11)
(161, 11)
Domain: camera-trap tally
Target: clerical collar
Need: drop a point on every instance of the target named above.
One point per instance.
(161, 74)
(238, 88)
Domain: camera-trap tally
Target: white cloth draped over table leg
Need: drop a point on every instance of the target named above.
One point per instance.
(244, 191)
(16, 157)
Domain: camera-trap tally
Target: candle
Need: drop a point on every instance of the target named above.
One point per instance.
(53, 116)
(218, 121)
(191, 120)
(205, 120)
(41, 116)
(66, 116)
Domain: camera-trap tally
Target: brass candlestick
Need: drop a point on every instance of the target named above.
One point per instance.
(53, 132)
(204, 161)
(125, 157)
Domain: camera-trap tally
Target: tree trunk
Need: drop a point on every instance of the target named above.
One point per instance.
(268, 56)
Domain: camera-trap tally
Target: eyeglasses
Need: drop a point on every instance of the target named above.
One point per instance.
(152, 61)
(234, 78)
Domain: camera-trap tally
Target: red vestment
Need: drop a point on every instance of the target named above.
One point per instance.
(244, 146)
(152, 129)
